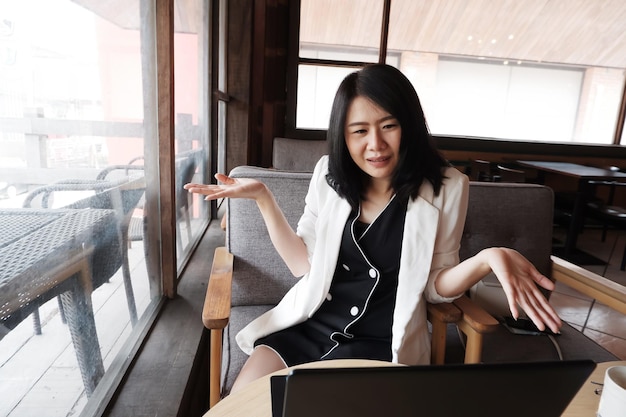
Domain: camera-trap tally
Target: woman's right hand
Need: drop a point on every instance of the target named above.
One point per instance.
(229, 188)
(288, 244)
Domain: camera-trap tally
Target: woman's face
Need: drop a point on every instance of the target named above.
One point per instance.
(373, 138)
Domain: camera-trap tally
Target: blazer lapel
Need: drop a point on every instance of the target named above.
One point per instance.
(418, 245)
(336, 215)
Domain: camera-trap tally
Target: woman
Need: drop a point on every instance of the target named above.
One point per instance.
(379, 235)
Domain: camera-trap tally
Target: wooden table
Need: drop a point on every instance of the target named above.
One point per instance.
(254, 399)
(45, 253)
(584, 175)
(586, 402)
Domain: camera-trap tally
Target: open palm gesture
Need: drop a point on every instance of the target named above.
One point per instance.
(228, 187)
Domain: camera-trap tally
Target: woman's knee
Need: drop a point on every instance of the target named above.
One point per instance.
(263, 361)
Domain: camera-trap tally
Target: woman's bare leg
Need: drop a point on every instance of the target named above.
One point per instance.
(263, 361)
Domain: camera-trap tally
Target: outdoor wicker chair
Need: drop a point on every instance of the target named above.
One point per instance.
(120, 194)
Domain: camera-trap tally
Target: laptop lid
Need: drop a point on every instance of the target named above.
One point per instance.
(521, 389)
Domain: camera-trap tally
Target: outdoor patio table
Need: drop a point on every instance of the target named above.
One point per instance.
(45, 253)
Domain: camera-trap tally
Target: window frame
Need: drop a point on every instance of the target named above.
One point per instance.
(164, 257)
(294, 61)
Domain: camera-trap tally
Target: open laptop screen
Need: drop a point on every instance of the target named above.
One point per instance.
(522, 389)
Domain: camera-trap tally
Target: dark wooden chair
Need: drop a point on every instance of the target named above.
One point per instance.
(606, 212)
(481, 170)
(508, 174)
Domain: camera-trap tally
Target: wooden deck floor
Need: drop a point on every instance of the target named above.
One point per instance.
(39, 374)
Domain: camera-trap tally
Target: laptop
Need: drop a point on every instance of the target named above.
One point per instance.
(535, 389)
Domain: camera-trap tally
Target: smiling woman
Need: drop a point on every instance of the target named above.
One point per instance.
(378, 238)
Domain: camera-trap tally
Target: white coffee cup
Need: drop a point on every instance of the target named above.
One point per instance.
(613, 398)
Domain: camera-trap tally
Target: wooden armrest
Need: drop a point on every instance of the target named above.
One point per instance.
(475, 316)
(216, 310)
(469, 317)
(216, 313)
(439, 316)
(593, 285)
(474, 323)
(444, 312)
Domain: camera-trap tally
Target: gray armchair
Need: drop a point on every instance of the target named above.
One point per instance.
(248, 278)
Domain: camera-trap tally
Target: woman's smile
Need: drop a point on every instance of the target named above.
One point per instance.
(379, 161)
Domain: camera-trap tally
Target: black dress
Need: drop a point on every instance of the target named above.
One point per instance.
(356, 318)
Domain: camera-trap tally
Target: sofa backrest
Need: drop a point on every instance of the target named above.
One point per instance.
(297, 154)
(499, 214)
(261, 276)
(517, 216)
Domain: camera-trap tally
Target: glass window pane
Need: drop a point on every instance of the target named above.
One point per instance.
(319, 85)
(74, 152)
(341, 30)
(494, 100)
(488, 69)
(191, 103)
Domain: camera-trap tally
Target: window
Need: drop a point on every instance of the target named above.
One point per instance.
(526, 72)
(191, 104)
(485, 99)
(79, 190)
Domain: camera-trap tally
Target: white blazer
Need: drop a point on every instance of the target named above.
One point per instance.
(431, 240)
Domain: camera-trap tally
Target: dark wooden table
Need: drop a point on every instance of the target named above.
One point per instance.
(45, 253)
(584, 175)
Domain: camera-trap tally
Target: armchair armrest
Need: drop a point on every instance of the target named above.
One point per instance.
(216, 313)
(593, 285)
(470, 318)
(439, 315)
(474, 323)
(216, 310)
(475, 316)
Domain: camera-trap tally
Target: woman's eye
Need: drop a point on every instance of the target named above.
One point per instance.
(389, 126)
(360, 131)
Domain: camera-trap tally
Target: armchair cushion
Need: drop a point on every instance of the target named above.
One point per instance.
(233, 358)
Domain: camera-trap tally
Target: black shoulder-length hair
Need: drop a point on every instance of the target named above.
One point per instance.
(419, 159)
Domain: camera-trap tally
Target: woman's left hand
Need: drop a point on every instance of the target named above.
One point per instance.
(519, 279)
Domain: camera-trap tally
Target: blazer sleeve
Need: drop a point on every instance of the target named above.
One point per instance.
(453, 211)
